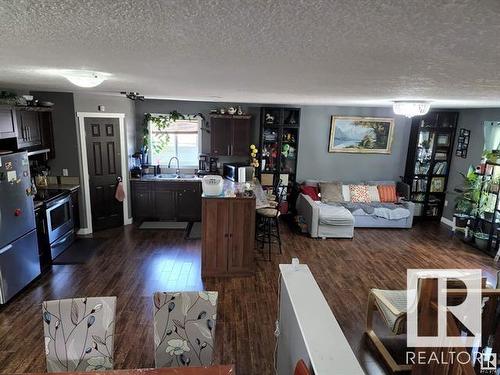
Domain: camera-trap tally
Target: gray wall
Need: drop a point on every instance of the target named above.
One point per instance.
(471, 119)
(63, 119)
(315, 162)
(114, 104)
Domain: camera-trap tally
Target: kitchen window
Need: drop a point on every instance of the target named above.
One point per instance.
(181, 139)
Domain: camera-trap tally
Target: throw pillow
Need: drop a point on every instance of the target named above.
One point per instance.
(346, 193)
(359, 193)
(311, 191)
(387, 193)
(331, 192)
(373, 192)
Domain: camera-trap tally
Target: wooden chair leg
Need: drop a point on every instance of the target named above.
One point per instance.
(379, 346)
(276, 222)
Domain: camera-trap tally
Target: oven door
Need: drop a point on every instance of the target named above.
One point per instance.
(59, 218)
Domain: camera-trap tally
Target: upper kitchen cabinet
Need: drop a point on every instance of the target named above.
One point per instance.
(230, 135)
(26, 128)
(7, 122)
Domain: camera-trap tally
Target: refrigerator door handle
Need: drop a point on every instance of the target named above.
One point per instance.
(5, 249)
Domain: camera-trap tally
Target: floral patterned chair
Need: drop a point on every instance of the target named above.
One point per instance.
(79, 333)
(184, 328)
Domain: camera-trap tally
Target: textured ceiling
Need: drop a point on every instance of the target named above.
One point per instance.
(303, 51)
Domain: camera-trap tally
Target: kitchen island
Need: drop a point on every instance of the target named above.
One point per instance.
(228, 230)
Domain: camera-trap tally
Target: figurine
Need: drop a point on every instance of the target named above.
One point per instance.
(231, 110)
(222, 111)
(239, 111)
(269, 119)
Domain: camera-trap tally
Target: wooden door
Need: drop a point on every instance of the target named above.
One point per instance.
(215, 226)
(103, 154)
(240, 255)
(240, 137)
(220, 136)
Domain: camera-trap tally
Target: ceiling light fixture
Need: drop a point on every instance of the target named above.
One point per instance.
(411, 108)
(84, 78)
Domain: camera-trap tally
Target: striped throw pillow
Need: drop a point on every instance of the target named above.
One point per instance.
(387, 193)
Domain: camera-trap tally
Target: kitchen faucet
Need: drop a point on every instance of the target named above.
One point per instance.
(177, 171)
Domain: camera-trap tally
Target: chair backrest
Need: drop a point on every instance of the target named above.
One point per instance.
(79, 333)
(184, 328)
(301, 368)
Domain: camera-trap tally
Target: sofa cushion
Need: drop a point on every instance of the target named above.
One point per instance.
(373, 192)
(387, 193)
(359, 193)
(331, 192)
(332, 214)
(311, 191)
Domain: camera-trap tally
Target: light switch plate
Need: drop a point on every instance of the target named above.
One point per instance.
(65, 172)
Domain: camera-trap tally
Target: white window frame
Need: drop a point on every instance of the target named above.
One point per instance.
(150, 135)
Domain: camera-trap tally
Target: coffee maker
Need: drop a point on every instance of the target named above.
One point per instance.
(207, 165)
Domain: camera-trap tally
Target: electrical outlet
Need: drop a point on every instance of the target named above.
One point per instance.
(445, 202)
(65, 172)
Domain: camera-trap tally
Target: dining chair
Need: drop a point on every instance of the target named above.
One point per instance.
(184, 328)
(79, 333)
(391, 304)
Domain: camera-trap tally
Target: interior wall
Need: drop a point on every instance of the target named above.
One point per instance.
(471, 119)
(63, 122)
(114, 104)
(315, 162)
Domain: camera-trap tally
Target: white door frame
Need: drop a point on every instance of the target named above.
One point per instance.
(85, 180)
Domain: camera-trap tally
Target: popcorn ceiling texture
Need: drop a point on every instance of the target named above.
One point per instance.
(312, 52)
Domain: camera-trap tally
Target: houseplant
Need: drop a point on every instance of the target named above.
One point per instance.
(481, 240)
(466, 204)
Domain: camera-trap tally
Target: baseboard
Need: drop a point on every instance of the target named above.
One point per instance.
(84, 231)
(128, 221)
(447, 222)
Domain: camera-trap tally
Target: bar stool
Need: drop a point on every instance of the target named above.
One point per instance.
(268, 230)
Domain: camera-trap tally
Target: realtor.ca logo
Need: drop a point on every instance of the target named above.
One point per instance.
(467, 314)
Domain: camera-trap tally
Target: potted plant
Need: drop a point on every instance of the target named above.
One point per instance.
(466, 203)
(481, 240)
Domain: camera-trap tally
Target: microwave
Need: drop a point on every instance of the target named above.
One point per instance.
(238, 172)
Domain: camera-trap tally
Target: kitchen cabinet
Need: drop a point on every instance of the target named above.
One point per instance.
(75, 206)
(142, 202)
(8, 128)
(228, 237)
(166, 200)
(230, 135)
(29, 133)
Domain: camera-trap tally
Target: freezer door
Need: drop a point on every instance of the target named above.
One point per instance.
(19, 265)
(17, 215)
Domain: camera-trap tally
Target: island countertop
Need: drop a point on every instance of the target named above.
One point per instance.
(235, 190)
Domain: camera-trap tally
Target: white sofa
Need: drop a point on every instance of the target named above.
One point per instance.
(336, 221)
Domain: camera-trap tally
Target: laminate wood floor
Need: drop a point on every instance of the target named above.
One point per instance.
(134, 263)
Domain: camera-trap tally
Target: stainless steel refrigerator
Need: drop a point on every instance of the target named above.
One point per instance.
(19, 263)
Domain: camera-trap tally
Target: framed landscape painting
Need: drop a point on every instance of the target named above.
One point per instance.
(368, 135)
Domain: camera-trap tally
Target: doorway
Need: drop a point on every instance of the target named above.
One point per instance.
(104, 162)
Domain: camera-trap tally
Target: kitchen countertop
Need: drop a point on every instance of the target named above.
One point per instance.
(230, 187)
(70, 187)
(167, 179)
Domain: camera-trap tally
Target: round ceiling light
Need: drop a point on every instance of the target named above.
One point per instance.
(84, 78)
(411, 108)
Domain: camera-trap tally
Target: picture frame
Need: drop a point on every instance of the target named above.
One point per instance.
(463, 143)
(437, 185)
(361, 135)
(443, 140)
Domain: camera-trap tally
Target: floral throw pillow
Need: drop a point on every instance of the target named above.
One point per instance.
(359, 193)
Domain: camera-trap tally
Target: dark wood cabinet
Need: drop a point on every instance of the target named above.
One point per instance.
(44, 254)
(230, 135)
(8, 128)
(166, 200)
(75, 206)
(189, 202)
(228, 236)
(28, 129)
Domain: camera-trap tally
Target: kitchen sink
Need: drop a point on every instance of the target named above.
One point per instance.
(170, 176)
